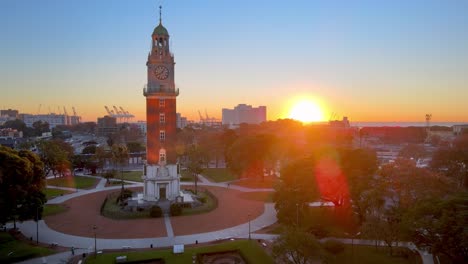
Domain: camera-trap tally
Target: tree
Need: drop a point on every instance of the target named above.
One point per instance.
(400, 187)
(40, 127)
(90, 149)
(135, 147)
(296, 246)
(296, 189)
(120, 157)
(441, 226)
(100, 157)
(360, 166)
(56, 156)
(412, 151)
(195, 162)
(21, 182)
(453, 161)
(246, 156)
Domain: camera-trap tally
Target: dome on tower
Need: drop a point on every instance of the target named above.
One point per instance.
(160, 30)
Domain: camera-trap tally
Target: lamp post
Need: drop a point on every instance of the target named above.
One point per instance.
(249, 226)
(297, 214)
(352, 244)
(95, 244)
(37, 225)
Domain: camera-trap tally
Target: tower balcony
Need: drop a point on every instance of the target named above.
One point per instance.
(157, 90)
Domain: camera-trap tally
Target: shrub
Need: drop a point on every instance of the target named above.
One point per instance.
(319, 230)
(176, 209)
(110, 174)
(202, 199)
(125, 194)
(156, 211)
(333, 246)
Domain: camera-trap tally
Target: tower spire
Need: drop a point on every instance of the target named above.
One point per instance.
(160, 15)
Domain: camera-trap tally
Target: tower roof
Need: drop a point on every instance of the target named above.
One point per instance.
(160, 29)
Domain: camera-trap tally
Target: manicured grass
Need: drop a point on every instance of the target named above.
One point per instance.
(53, 209)
(218, 174)
(73, 182)
(266, 197)
(52, 193)
(112, 210)
(328, 221)
(12, 250)
(251, 251)
(130, 175)
(370, 255)
(211, 203)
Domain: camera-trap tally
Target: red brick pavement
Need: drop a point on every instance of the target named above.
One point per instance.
(84, 212)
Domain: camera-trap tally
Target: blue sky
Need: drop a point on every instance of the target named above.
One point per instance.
(369, 60)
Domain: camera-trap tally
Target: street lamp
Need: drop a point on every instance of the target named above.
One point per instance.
(37, 225)
(297, 214)
(95, 245)
(249, 226)
(352, 244)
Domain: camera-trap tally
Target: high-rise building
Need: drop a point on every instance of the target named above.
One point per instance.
(243, 113)
(106, 126)
(161, 174)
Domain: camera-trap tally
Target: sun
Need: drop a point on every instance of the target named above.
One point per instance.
(306, 111)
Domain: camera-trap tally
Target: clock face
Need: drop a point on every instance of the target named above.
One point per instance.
(161, 72)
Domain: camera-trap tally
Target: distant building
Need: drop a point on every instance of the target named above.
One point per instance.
(52, 119)
(460, 129)
(340, 123)
(243, 113)
(9, 113)
(10, 137)
(181, 121)
(10, 133)
(106, 125)
(142, 126)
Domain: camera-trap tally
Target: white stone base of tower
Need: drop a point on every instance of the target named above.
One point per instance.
(161, 182)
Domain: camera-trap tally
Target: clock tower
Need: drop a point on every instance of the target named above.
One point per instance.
(161, 173)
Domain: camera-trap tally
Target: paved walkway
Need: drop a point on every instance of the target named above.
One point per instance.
(86, 244)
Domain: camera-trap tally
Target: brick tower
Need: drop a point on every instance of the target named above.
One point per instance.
(161, 174)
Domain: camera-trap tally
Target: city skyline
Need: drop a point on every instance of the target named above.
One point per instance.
(368, 61)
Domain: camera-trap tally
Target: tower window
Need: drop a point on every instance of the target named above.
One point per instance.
(162, 103)
(162, 118)
(162, 135)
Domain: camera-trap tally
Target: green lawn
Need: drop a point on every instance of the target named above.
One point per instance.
(251, 251)
(218, 174)
(130, 175)
(112, 210)
(52, 193)
(370, 255)
(53, 209)
(211, 203)
(73, 182)
(12, 250)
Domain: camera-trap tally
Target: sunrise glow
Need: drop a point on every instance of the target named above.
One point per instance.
(306, 111)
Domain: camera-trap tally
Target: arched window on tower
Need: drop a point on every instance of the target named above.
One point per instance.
(162, 135)
(162, 118)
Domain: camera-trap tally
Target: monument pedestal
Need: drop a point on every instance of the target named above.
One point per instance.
(161, 182)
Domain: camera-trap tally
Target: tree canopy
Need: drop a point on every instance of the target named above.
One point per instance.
(21, 182)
